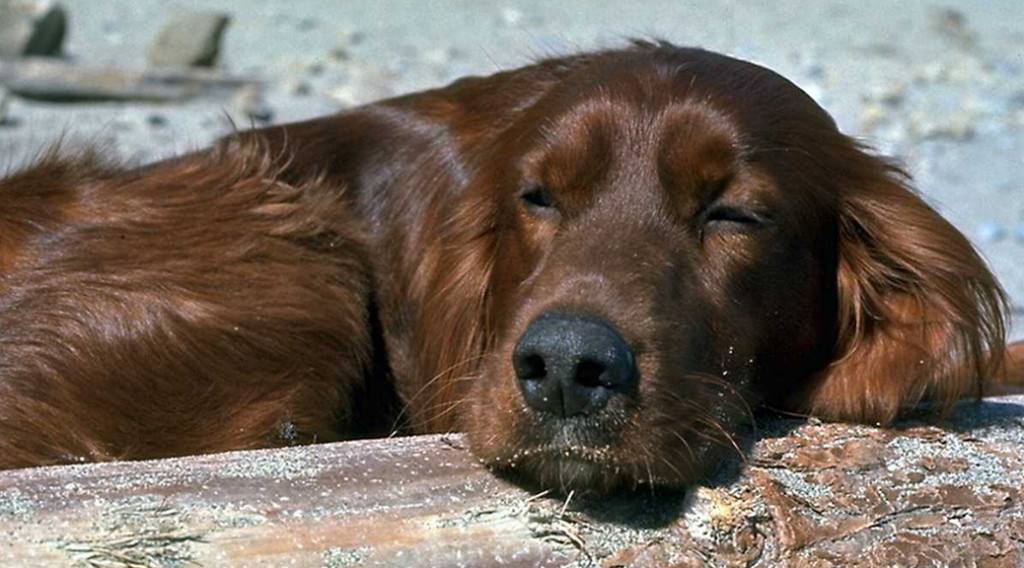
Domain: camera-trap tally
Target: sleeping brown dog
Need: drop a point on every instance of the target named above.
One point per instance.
(596, 266)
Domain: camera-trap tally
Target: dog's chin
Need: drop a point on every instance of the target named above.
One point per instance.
(597, 454)
(579, 469)
(562, 471)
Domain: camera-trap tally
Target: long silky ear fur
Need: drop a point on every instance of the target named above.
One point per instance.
(920, 316)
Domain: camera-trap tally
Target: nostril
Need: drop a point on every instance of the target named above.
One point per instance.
(588, 373)
(532, 368)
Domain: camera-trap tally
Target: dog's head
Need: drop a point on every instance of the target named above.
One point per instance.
(678, 236)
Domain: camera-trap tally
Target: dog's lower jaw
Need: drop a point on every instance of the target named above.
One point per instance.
(600, 469)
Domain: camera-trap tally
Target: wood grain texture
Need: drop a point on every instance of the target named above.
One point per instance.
(808, 494)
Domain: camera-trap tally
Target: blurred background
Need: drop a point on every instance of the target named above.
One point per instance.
(939, 85)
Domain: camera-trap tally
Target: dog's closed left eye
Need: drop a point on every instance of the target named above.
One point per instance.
(733, 218)
(538, 200)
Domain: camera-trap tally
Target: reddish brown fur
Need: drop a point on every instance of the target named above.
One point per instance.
(304, 282)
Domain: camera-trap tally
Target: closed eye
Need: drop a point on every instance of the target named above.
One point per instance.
(537, 198)
(733, 219)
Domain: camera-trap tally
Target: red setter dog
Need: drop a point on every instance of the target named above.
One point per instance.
(594, 265)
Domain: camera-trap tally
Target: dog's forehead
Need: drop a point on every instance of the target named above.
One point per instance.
(637, 123)
(641, 87)
(691, 118)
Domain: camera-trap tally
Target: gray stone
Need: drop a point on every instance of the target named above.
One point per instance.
(249, 102)
(4, 98)
(952, 25)
(296, 86)
(189, 39)
(31, 27)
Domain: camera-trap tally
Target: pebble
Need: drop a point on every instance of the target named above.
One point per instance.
(957, 127)
(32, 28)
(367, 83)
(437, 56)
(345, 95)
(339, 54)
(315, 68)
(249, 102)
(891, 95)
(296, 86)
(156, 120)
(990, 232)
(5, 97)
(350, 37)
(189, 39)
(511, 16)
(952, 25)
(871, 115)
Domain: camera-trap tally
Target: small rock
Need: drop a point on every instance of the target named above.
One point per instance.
(881, 49)
(156, 120)
(345, 96)
(891, 95)
(31, 27)
(339, 54)
(350, 37)
(511, 16)
(439, 56)
(990, 232)
(189, 39)
(315, 68)
(958, 127)
(814, 70)
(250, 103)
(932, 72)
(296, 86)
(952, 25)
(367, 83)
(5, 97)
(872, 115)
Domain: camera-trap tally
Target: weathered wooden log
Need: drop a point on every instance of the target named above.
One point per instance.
(808, 494)
(56, 80)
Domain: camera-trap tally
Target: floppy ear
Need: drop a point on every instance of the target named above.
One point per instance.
(920, 317)
(432, 291)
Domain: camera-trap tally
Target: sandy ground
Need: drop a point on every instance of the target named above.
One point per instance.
(940, 86)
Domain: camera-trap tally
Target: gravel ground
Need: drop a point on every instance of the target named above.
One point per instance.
(939, 85)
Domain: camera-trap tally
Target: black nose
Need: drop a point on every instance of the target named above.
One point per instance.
(571, 365)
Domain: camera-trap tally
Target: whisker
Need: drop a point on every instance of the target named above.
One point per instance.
(729, 437)
(689, 449)
(448, 406)
(678, 473)
(408, 404)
